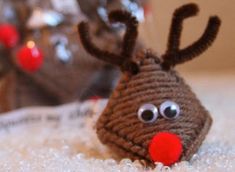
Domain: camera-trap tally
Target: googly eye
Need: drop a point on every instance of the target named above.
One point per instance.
(169, 109)
(148, 113)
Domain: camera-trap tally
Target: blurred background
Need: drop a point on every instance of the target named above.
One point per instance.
(220, 57)
(42, 61)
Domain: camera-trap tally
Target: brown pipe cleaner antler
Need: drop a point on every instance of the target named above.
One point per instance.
(173, 54)
(124, 59)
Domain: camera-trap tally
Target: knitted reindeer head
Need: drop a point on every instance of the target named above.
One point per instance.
(152, 114)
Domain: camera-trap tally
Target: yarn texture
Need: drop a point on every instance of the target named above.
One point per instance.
(150, 79)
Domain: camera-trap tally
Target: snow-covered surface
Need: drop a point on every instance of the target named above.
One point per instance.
(64, 139)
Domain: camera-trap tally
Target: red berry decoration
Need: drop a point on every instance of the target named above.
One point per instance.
(9, 35)
(165, 147)
(30, 58)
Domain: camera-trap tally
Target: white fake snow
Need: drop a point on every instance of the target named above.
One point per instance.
(72, 145)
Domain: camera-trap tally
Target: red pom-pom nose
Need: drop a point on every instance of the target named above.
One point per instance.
(29, 57)
(9, 35)
(166, 148)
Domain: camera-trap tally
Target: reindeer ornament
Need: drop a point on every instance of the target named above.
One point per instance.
(153, 115)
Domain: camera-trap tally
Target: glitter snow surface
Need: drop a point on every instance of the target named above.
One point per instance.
(64, 139)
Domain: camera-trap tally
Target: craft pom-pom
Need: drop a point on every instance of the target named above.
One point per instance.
(165, 147)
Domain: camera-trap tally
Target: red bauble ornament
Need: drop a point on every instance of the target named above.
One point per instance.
(95, 98)
(166, 148)
(9, 35)
(29, 57)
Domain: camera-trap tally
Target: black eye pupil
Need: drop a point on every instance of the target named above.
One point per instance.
(170, 112)
(147, 115)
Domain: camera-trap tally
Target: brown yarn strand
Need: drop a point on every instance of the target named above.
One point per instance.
(124, 59)
(173, 54)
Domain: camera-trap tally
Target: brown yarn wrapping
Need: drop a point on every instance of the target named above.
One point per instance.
(120, 129)
(152, 81)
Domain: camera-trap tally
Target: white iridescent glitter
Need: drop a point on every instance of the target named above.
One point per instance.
(64, 139)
